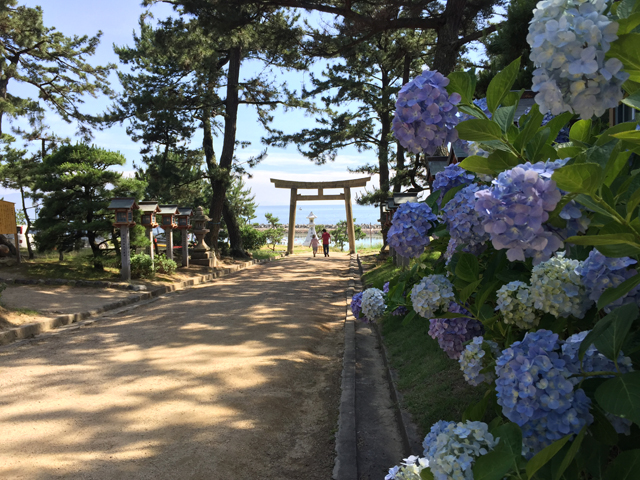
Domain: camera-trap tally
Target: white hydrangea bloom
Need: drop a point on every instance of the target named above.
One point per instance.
(556, 288)
(434, 292)
(409, 469)
(569, 40)
(373, 303)
(515, 302)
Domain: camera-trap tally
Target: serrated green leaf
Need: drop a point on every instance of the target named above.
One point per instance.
(408, 317)
(426, 474)
(500, 461)
(626, 25)
(610, 341)
(621, 396)
(477, 164)
(568, 458)
(625, 49)
(610, 295)
(450, 194)
(530, 128)
(462, 83)
(557, 123)
(633, 101)
(580, 131)
(467, 291)
(610, 239)
(627, 8)
(545, 455)
(582, 178)
(504, 117)
(630, 136)
(625, 466)
(479, 130)
(591, 204)
(499, 161)
(536, 144)
(501, 85)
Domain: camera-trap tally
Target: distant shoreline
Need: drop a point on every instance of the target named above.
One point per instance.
(303, 229)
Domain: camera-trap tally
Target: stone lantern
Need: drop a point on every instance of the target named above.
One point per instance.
(124, 208)
(201, 254)
(149, 208)
(184, 214)
(168, 223)
(312, 230)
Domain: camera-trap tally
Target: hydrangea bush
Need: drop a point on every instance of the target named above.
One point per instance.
(372, 304)
(409, 232)
(541, 305)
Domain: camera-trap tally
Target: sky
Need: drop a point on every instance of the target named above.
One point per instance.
(118, 19)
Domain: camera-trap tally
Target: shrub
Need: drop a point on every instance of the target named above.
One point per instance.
(252, 239)
(165, 265)
(141, 266)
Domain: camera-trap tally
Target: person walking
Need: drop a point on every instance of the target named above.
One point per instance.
(314, 244)
(326, 236)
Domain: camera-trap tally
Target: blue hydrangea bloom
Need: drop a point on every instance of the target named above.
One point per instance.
(515, 208)
(473, 360)
(453, 333)
(599, 273)
(385, 287)
(373, 304)
(356, 307)
(557, 289)
(452, 448)
(425, 116)
(515, 302)
(409, 232)
(464, 222)
(451, 177)
(432, 293)
(536, 391)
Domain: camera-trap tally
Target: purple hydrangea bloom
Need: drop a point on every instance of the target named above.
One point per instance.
(515, 208)
(453, 333)
(599, 273)
(385, 287)
(451, 177)
(356, 307)
(425, 117)
(536, 391)
(464, 222)
(409, 232)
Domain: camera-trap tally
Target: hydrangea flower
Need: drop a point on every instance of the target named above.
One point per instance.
(515, 208)
(356, 307)
(425, 116)
(556, 288)
(409, 469)
(464, 222)
(569, 39)
(385, 287)
(472, 361)
(409, 232)
(535, 391)
(453, 333)
(598, 273)
(515, 302)
(452, 448)
(373, 303)
(451, 177)
(432, 293)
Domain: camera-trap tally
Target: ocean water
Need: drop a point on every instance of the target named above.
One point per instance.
(327, 214)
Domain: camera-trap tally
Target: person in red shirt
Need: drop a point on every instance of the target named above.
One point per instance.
(325, 242)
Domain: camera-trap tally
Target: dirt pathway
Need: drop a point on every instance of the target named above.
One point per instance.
(238, 379)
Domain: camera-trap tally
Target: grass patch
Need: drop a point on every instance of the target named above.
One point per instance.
(432, 384)
(265, 254)
(23, 311)
(76, 265)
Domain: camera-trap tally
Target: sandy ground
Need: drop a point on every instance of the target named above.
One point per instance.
(233, 380)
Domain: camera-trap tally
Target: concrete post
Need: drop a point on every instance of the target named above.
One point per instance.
(125, 254)
(185, 247)
(169, 235)
(351, 231)
(292, 220)
(151, 249)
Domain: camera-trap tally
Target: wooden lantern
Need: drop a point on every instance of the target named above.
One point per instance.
(123, 208)
(168, 215)
(149, 208)
(184, 216)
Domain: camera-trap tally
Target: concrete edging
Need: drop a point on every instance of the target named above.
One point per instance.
(30, 330)
(346, 462)
(411, 438)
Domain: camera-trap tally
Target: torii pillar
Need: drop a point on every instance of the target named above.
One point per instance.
(347, 185)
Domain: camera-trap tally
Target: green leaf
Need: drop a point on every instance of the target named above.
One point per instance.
(610, 341)
(593, 456)
(426, 474)
(478, 130)
(611, 239)
(625, 466)
(569, 151)
(467, 268)
(581, 178)
(573, 449)
(633, 100)
(408, 317)
(512, 98)
(616, 164)
(545, 455)
(462, 83)
(499, 161)
(501, 460)
(580, 131)
(531, 125)
(610, 295)
(472, 110)
(630, 136)
(475, 412)
(501, 85)
(627, 7)
(591, 204)
(626, 25)
(477, 164)
(625, 48)
(557, 123)
(467, 291)
(504, 117)
(621, 396)
(450, 194)
(601, 427)
(536, 144)
(432, 200)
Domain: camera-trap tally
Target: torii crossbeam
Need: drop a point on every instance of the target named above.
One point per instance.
(347, 185)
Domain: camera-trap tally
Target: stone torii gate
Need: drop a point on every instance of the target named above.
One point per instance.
(320, 186)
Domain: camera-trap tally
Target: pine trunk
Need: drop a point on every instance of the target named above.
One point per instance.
(447, 48)
(28, 220)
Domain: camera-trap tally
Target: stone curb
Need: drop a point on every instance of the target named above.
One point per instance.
(411, 438)
(32, 329)
(346, 462)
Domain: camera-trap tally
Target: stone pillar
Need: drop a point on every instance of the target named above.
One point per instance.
(152, 251)
(169, 235)
(292, 220)
(185, 247)
(351, 231)
(125, 254)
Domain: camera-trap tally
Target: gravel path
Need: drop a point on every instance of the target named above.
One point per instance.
(238, 379)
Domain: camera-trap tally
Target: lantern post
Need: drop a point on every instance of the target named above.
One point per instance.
(149, 208)
(124, 208)
(201, 254)
(184, 214)
(169, 213)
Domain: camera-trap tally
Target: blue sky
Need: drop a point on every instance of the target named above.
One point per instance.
(118, 19)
